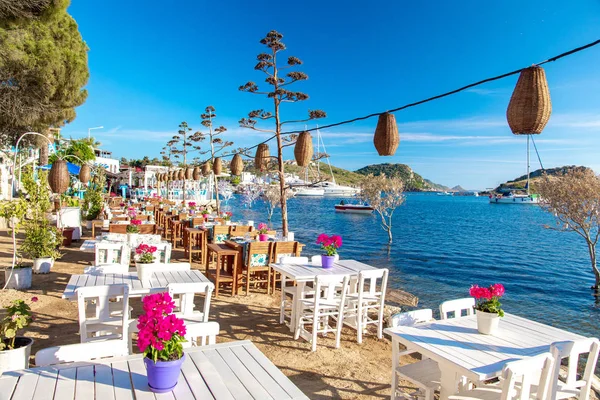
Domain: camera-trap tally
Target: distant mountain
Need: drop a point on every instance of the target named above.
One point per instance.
(412, 180)
(436, 186)
(458, 188)
(521, 181)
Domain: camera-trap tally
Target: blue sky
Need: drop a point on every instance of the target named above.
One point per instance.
(153, 65)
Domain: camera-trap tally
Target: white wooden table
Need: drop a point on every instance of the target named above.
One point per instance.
(235, 370)
(460, 350)
(303, 273)
(158, 283)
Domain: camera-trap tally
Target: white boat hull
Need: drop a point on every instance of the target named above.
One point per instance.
(310, 192)
(515, 200)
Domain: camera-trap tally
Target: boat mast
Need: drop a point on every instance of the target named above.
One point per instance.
(318, 154)
(528, 165)
(325, 151)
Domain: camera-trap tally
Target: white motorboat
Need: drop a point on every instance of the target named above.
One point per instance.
(445, 193)
(309, 192)
(333, 189)
(354, 208)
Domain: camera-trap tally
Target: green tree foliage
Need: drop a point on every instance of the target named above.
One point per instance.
(412, 181)
(43, 67)
(80, 148)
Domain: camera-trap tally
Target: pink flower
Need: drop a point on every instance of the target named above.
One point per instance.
(322, 238)
(337, 240)
(34, 299)
(136, 222)
(262, 225)
(497, 290)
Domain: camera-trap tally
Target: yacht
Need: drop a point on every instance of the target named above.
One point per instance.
(333, 189)
(309, 191)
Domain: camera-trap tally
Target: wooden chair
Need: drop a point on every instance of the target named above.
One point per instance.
(282, 249)
(117, 228)
(81, 352)
(221, 233)
(147, 229)
(196, 222)
(456, 307)
(150, 208)
(194, 242)
(116, 218)
(257, 267)
(176, 228)
(240, 230)
(574, 385)
(143, 217)
(226, 271)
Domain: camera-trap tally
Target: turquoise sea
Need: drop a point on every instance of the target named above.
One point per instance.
(443, 244)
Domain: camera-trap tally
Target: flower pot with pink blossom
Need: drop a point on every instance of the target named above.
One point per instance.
(144, 258)
(263, 230)
(14, 349)
(487, 307)
(160, 338)
(329, 245)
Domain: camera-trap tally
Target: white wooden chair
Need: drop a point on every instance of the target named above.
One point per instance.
(112, 253)
(287, 306)
(104, 323)
(116, 237)
(169, 267)
(572, 386)
(183, 295)
(81, 352)
(163, 251)
(316, 260)
(456, 307)
(106, 269)
(201, 333)
(368, 298)
(328, 302)
(517, 381)
(425, 374)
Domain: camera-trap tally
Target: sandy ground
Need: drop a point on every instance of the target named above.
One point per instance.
(351, 372)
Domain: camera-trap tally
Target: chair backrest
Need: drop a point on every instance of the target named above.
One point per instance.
(316, 260)
(117, 228)
(117, 237)
(293, 260)
(185, 292)
(411, 318)
(240, 229)
(525, 373)
(112, 253)
(221, 233)
(285, 249)
(102, 313)
(259, 254)
(196, 221)
(372, 282)
(147, 228)
(106, 269)
(163, 252)
(456, 307)
(81, 352)
(573, 351)
(329, 288)
(201, 333)
(120, 218)
(143, 217)
(150, 208)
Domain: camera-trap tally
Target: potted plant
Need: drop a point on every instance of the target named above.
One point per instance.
(160, 338)
(133, 230)
(15, 350)
(144, 256)
(227, 217)
(40, 244)
(262, 232)
(329, 244)
(204, 212)
(18, 276)
(488, 307)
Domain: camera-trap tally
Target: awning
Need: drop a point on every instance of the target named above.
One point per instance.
(73, 169)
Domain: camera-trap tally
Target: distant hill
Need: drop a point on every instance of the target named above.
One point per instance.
(436, 186)
(520, 182)
(412, 180)
(458, 188)
(342, 176)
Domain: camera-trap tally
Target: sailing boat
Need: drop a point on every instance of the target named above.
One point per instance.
(515, 196)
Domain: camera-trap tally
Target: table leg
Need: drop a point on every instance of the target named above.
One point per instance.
(395, 360)
(448, 382)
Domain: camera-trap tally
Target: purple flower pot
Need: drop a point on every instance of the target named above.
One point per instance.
(327, 261)
(163, 375)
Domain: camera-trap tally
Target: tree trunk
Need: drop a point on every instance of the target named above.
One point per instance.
(216, 183)
(389, 230)
(283, 200)
(43, 146)
(592, 250)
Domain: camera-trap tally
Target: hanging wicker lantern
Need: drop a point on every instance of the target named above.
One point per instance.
(262, 157)
(171, 175)
(58, 178)
(84, 174)
(217, 166)
(236, 165)
(303, 150)
(158, 177)
(206, 169)
(196, 173)
(188, 173)
(386, 137)
(530, 105)
(180, 175)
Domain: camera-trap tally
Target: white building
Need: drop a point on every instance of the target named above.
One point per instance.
(104, 159)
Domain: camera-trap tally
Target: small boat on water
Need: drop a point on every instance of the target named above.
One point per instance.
(354, 208)
(514, 198)
(445, 193)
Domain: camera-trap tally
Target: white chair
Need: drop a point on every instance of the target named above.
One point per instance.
(103, 323)
(368, 298)
(170, 267)
(316, 260)
(106, 269)
(183, 295)
(112, 253)
(328, 302)
(287, 304)
(572, 386)
(456, 307)
(163, 251)
(425, 374)
(201, 333)
(115, 237)
(81, 352)
(517, 381)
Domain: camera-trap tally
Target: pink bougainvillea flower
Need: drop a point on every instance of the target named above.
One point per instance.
(34, 299)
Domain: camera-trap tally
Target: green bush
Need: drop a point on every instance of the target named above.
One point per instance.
(41, 240)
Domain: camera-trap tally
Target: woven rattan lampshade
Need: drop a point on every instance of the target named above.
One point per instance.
(386, 137)
(84, 174)
(171, 173)
(189, 172)
(196, 173)
(217, 166)
(262, 157)
(180, 175)
(303, 150)
(58, 178)
(236, 165)
(206, 169)
(530, 105)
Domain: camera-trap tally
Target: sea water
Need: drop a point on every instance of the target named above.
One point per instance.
(444, 244)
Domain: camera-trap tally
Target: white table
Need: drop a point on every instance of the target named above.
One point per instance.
(89, 245)
(158, 283)
(235, 370)
(303, 273)
(460, 350)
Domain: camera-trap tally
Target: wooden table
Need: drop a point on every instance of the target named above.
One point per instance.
(460, 350)
(234, 370)
(303, 273)
(158, 283)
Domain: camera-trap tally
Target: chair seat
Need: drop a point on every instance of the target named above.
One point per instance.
(480, 393)
(424, 373)
(324, 304)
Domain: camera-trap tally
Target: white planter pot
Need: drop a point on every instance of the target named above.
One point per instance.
(144, 271)
(132, 240)
(227, 222)
(42, 265)
(88, 224)
(19, 279)
(487, 323)
(12, 360)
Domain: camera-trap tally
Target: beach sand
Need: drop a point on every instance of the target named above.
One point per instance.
(350, 372)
